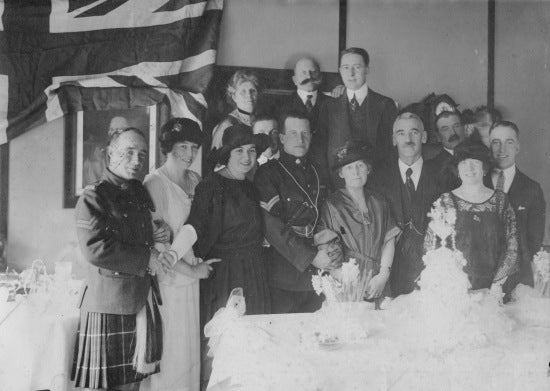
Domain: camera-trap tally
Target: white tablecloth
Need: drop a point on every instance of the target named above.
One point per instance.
(36, 345)
(265, 353)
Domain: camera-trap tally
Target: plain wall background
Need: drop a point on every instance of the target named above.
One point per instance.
(416, 47)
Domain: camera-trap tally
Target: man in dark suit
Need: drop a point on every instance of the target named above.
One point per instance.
(451, 133)
(525, 196)
(410, 186)
(307, 98)
(360, 113)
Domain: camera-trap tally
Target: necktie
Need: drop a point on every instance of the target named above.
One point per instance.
(409, 182)
(500, 181)
(309, 103)
(354, 103)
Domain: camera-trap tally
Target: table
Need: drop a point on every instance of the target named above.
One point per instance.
(266, 352)
(36, 344)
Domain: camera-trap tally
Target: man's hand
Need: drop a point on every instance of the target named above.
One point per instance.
(377, 284)
(338, 91)
(161, 232)
(322, 260)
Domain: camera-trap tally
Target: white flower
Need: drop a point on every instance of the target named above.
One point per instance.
(317, 282)
(350, 272)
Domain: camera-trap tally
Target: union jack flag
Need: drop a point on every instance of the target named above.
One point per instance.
(61, 56)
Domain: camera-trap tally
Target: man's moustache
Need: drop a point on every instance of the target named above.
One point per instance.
(454, 137)
(410, 143)
(310, 80)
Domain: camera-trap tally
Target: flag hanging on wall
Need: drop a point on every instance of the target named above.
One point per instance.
(61, 56)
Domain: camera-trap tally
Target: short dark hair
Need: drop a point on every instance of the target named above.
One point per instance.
(480, 111)
(179, 130)
(353, 50)
(298, 114)
(505, 124)
(447, 114)
(116, 134)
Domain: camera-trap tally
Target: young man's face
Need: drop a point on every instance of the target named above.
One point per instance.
(504, 146)
(353, 71)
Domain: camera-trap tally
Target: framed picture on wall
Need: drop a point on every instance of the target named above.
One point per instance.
(86, 137)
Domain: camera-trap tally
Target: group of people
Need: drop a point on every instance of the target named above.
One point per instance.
(325, 180)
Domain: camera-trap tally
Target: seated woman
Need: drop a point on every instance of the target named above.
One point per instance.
(362, 218)
(485, 221)
(227, 218)
(242, 93)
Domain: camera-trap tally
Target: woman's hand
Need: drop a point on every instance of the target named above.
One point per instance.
(161, 232)
(377, 284)
(203, 269)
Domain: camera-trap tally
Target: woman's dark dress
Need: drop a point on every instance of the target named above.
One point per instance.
(227, 217)
(486, 236)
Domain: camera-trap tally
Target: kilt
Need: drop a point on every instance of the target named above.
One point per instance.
(105, 349)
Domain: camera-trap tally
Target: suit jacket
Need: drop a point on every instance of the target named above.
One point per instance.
(527, 200)
(386, 179)
(409, 249)
(114, 228)
(446, 177)
(335, 124)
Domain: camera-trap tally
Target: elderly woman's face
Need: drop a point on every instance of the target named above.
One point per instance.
(246, 96)
(242, 159)
(185, 152)
(470, 171)
(355, 174)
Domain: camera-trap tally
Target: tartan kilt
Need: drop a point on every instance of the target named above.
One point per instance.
(105, 348)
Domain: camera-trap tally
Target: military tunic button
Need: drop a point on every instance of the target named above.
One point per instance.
(116, 273)
(288, 199)
(124, 186)
(125, 214)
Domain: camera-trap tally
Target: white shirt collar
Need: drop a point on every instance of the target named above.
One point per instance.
(509, 174)
(451, 151)
(416, 167)
(303, 96)
(360, 94)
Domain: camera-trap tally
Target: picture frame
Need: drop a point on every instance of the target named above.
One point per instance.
(86, 137)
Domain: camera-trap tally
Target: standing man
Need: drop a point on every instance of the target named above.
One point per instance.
(120, 332)
(451, 133)
(360, 113)
(410, 186)
(307, 99)
(290, 196)
(525, 196)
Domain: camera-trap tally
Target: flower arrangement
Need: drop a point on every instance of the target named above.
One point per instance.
(348, 285)
(541, 273)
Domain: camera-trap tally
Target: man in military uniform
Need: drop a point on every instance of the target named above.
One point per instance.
(120, 332)
(290, 195)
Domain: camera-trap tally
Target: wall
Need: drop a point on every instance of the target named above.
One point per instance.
(38, 226)
(273, 33)
(522, 83)
(422, 46)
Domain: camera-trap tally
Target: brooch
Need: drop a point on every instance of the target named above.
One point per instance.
(476, 218)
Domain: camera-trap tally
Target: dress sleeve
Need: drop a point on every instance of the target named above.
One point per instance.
(391, 228)
(157, 191)
(509, 264)
(206, 216)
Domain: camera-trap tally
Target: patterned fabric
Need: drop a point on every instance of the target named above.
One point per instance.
(105, 348)
(486, 234)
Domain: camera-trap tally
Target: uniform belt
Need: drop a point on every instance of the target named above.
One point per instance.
(303, 230)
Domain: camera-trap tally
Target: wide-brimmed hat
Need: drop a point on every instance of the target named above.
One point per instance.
(471, 149)
(238, 135)
(180, 130)
(350, 152)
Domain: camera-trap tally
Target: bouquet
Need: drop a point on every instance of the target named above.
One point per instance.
(442, 222)
(349, 286)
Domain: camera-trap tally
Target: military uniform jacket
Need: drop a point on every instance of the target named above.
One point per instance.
(289, 190)
(114, 228)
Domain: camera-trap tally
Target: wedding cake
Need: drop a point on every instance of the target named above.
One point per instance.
(444, 314)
